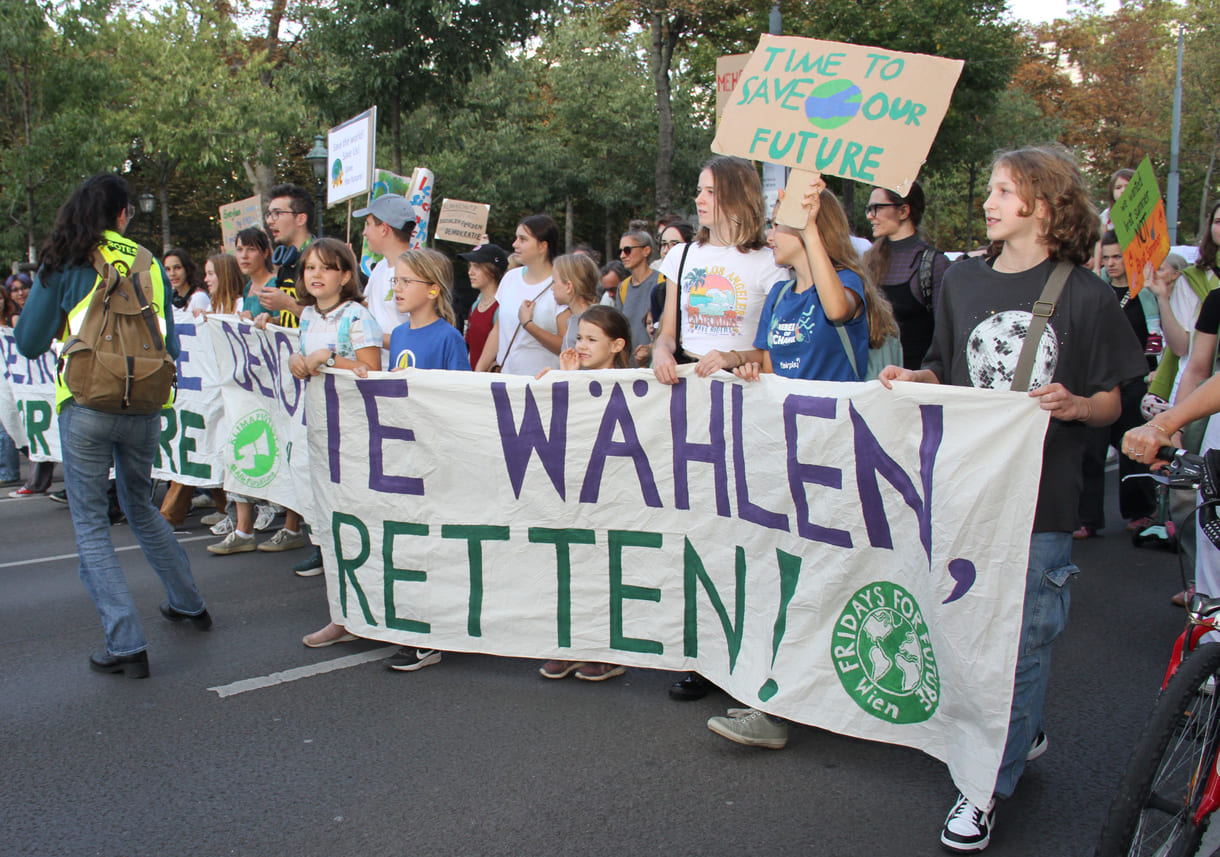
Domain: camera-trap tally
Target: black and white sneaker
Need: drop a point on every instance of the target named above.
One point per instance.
(1037, 747)
(968, 827)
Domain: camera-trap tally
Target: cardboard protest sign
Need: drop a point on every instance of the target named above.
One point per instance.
(791, 212)
(350, 148)
(463, 222)
(237, 216)
(728, 70)
(1140, 223)
(863, 113)
(824, 552)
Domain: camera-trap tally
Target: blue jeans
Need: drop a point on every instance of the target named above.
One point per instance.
(1043, 618)
(92, 441)
(10, 462)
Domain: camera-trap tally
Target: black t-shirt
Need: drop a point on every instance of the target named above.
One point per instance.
(1087, 346)
(1209, 314)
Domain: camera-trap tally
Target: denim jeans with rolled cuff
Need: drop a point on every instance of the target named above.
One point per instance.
(93, 441)
(1043, 618)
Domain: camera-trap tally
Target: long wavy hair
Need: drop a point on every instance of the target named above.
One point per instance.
(92, 208)
(1050, 174)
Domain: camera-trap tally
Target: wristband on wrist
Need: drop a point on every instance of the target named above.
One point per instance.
(1088, 402)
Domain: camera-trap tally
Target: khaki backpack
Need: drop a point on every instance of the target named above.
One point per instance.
(117, 362)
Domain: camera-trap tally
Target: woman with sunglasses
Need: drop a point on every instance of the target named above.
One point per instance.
(906, 267)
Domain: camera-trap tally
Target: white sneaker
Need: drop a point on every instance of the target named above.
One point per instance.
(968, 828)
(222, 527)
(233, 543)
(202, 501)
(212, 519)
(264, 519)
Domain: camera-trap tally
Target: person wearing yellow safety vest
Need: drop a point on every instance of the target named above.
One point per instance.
(95, 217)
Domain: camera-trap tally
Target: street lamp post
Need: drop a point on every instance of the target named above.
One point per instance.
(317, 158)
(147, 203)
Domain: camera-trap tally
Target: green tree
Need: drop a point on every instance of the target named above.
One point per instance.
(57, 103)
(402, 54)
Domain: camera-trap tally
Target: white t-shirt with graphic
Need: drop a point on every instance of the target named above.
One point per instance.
(723, 291)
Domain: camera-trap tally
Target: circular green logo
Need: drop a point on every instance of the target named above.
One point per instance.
(256, 452)
(883, 654)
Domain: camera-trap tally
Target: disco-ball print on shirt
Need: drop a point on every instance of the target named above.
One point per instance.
(995, 346)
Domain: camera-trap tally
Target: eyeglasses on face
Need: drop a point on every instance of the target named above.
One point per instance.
(394, 281)
(670, 243)
(275, 213)
(870, 210)
(623, 251)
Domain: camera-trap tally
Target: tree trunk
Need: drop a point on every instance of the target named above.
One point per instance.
(1203, 200)
(396, 131)
(971, 176)
(262, 178)
(664, 40)
(568, 228)
(165, 173)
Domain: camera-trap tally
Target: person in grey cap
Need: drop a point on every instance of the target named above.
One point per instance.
(389, 222)
(488, 262)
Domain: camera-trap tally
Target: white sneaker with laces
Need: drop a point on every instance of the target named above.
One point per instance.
(968, 827)
(264, 518)
(223, 527)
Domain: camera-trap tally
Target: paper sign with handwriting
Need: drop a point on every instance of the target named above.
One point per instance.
(463, 222)
(863, 113)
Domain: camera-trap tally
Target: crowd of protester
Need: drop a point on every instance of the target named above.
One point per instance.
(806, 305)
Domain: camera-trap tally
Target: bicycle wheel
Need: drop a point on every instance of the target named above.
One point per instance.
(1153, 812)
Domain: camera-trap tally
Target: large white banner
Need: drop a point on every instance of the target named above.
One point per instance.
(188, 452)
(842, 555)
(262, 434)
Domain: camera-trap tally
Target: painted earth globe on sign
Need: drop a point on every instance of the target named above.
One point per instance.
(995, 346)
(889, 649)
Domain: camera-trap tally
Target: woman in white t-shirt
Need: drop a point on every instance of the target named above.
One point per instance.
(529, 327)
(725, 276)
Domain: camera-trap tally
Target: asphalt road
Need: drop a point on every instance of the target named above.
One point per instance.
(479, 755)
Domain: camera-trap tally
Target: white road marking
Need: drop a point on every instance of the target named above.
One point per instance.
(298, 673)
(57, 557)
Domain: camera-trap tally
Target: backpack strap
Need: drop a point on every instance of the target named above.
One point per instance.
(1043, 309)
(925, 277)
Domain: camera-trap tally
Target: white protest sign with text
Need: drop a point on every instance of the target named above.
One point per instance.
(349, 153)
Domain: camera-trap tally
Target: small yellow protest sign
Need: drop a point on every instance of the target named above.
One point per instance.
(863, 113)
(462, 222)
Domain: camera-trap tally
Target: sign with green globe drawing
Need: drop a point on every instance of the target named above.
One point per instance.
(883, 654)
(864, 113)
(255, 449)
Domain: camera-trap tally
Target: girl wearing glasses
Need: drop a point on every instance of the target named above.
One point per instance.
(723, 277)
(906, 267)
